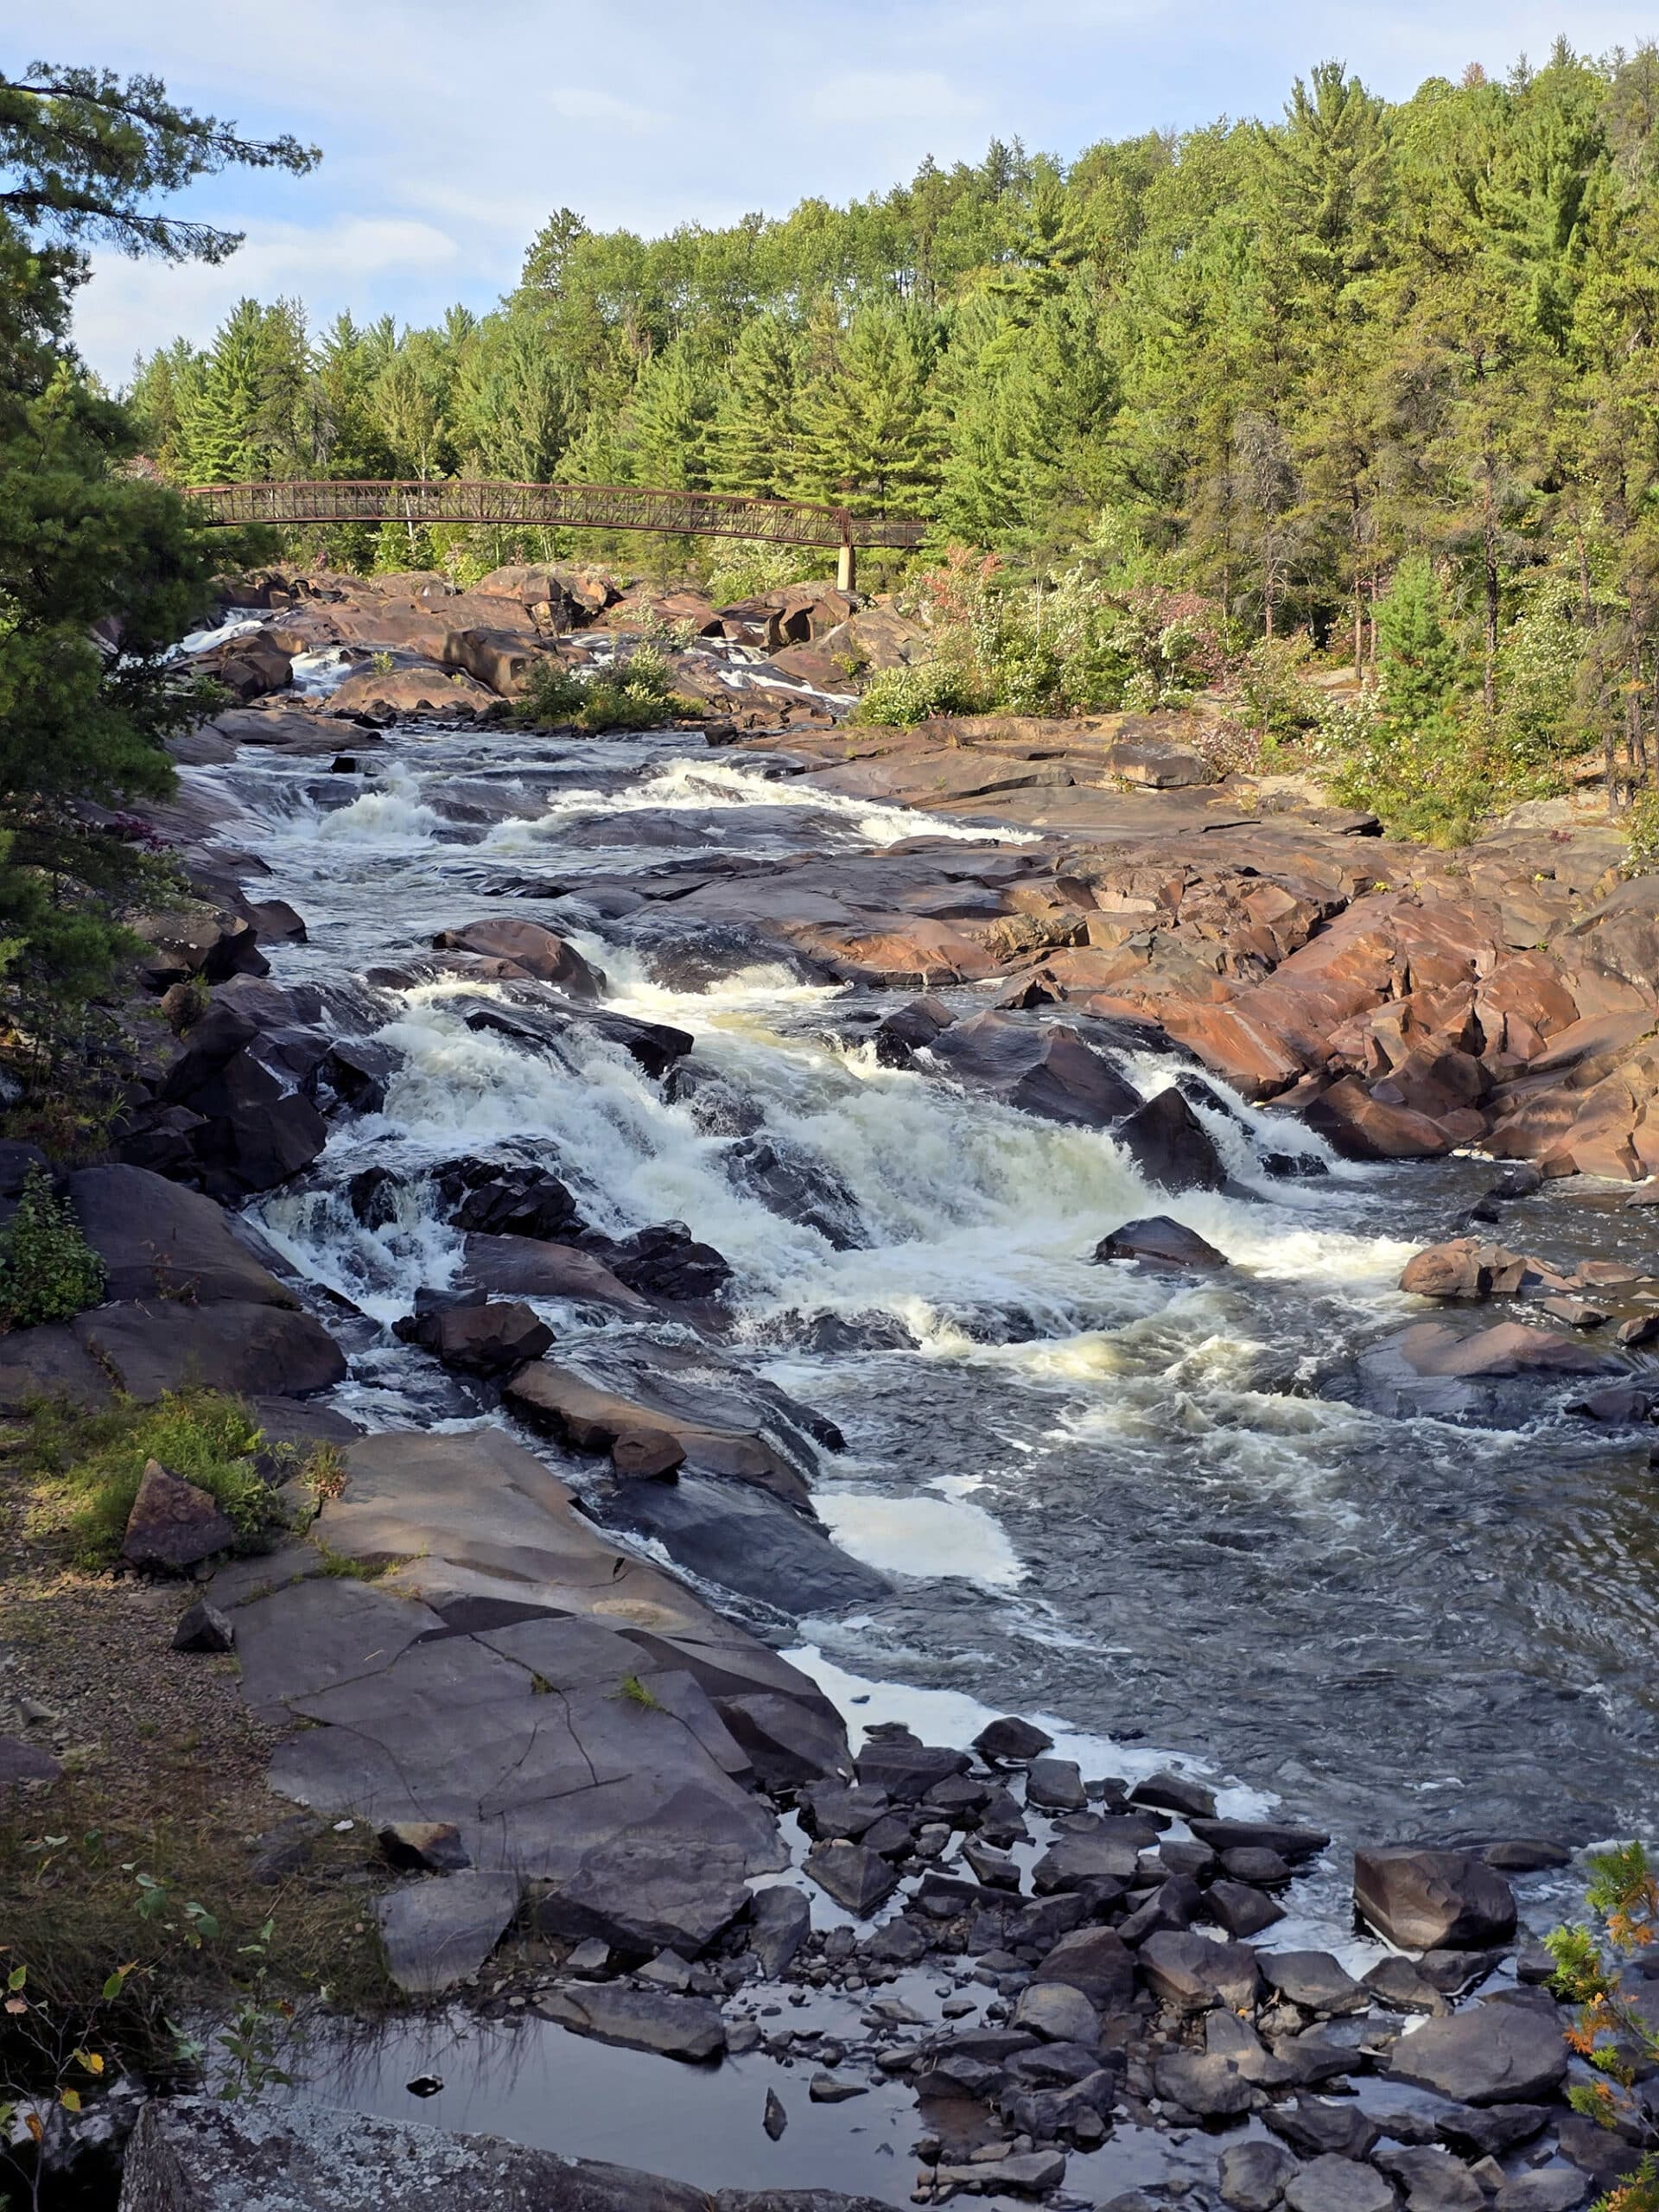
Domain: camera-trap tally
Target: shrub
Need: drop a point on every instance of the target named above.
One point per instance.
(47, 1269)
(749, 568)
(635, 693)
(1609, 2031)
(1273, 697)
(1641, 836)
(89, 1467)
(906, 696)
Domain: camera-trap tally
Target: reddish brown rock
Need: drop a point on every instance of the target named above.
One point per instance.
(1360, 1127)
(531, 946)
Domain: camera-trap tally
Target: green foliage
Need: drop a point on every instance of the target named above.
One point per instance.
(47, 1269)
(1421, 664)
(89, 1467)
(906, 695)
(1642, 834)
(1274, 699)
(749, 569)
(639, 1693)
(1608, 2031)
(636, 692)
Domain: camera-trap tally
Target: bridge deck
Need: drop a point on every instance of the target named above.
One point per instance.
(556, 506)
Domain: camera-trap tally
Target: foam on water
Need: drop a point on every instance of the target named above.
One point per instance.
(922, 1536)
(702, 782)
(390, 818)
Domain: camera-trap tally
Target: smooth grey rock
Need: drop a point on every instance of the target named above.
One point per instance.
(1291, 1841)
(1320, 2129)
(158, 1240)
(1057, 2013)
(309, 1635)
(856, 1878)
(780, 1920)
(1312, 1980)
(1191, 1971)
(1012, 1742)
(1254, 2175)
(437, 1932)
(1056, 1784)
(834, 2088)
(1175, 1793)
(1096, 1961)
(1551, 2189)
(1423, 1900)
(1241, 1910)
(1399, 1984)
(1202, 2082)
(247, 1350)
(1433, 2179)
(687, 2028)
(1489, 2055)
(1339, 2185)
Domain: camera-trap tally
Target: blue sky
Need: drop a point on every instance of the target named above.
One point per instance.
(451, 127)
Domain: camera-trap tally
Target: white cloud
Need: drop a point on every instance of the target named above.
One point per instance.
(132, 307)
(857, 97)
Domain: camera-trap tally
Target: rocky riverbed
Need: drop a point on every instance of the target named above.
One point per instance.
(812, 1240)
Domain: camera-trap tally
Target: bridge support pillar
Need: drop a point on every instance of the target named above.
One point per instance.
(847, 569)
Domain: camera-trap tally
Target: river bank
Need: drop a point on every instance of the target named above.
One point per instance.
(795, 1101)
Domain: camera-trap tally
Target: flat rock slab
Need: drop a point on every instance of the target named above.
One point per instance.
(193, 2154)
(158, 1240)
(688, 2027)
(1331, 2184)
(309, 1635)
(1490, 2055)
(244, 1348)
(437, 1932)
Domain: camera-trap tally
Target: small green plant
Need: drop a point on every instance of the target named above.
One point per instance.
(1608, 2031)
(638, 1693)
(47, 1269)
(382, 664)
(1273, 694)
(88, 1467)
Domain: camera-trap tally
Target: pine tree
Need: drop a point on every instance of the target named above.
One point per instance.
(669, 419)
(866, 439)
(752, 441)
(1421, 661)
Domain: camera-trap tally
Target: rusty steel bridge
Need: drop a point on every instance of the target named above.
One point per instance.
(556, 506)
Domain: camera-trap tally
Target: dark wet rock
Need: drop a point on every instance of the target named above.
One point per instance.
(1171, 1146)
(1047, 1070)
(246, 1349)
(1059, 2013)
(1252, 1862)
(437, 1931)
(1254, 2175)
(1489, 2132)
(498, 1201)
(489, 1339)
(992, 1868)
(1433, 2179)
(900, 1035)
(424, 1847)
(798, 1185)
(1453, 1972)
(1526, 1855)
(353, 1074)
(590, 1417)
(739, 1537)
(1312, 1980)
(1623, 1406)
(788, 1743)
(1423, 1900)
(157, 1240)
(859, 1880)
(16, 1162)
(1159, 1242)
(173, 1524)
(1107, 1849)
(1175, 1903)
(780, 1920)
(213, 942)
(773, 2117)
(907, 1770)
(1317, 2128)
(1175, 1793)
(544, 1026)
(1192, 1972)
(1490, 2054)
(1552, 2188)
(666, 1261)
(1012, 1742)
(1203, 2084)
(1331, 2184)
(1598, 2153)
(534, 1267)
(836, 1808)
(1241, 1909)
(531, 946)
(1055, 1784)
(834, 2088)
(1291, 1842)
(1399, 1984)
(686, 2028)
(203, 1627)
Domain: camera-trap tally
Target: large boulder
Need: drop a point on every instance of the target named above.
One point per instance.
(157, 1240)
(1157, 1241)
(158, 1345)
(531, 946)
(1049, 1071)
(1361, 1127)
(590, 1417)
(173, 1524)
(1425, 1900)
(1492, 2054)
(255, 1133)
(1170, 1144)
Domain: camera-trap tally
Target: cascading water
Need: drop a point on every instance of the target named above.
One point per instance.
(1098, 1493)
